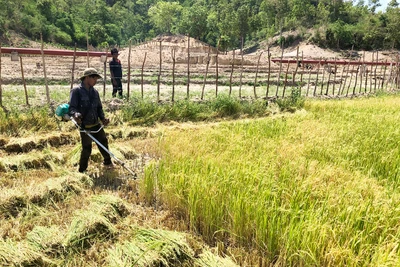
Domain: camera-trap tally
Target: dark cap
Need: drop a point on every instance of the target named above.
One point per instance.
(114, 51)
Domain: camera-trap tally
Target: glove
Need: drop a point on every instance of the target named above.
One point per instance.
(105, 121)
(78, 117)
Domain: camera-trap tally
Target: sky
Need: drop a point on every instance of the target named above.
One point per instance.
(383, 6)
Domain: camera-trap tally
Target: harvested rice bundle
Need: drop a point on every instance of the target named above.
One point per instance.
(88, 226)
(57, 189)
(110, 206)
(152, 247)
(12, 202)
(207, 258)
(46, 239)
(21, 254)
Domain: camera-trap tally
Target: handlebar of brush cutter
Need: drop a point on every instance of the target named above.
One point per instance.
(120, 162)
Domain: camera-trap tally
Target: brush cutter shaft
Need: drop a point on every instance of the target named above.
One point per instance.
(120, 162)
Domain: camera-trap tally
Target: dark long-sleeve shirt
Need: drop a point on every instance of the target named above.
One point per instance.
(115, 68)
(88, 103)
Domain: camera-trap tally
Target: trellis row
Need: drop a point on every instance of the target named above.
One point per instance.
(365, 70)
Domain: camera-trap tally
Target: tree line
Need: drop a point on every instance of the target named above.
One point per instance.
(335, 24)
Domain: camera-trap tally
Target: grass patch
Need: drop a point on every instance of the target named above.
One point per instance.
(314, 188)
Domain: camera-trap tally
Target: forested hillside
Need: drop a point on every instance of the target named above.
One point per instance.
(329, 23)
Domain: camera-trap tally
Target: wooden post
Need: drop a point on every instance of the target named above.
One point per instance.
(279, 75)
(144, 60)
(188, 68)
(302, 67)
(309, 80)
(297, 65)
(383, 78)
(345, 78)
(1, 89)
(370, 75)
(205, 75)
(269, 72)
(351, 77)
(216, 70)
(334, 78)
(316, 81)
(44, 71)
(73, 68)
(286, 74)
(355, 83)
(173, 73)
(323, 78)
(159, 74)
(366, 74)
(105, 75)
(232, 67)
(255, 79)
(87, 47)
(241, 67)
(24, 82)
(376, 66)
(341, 79)
(129, 70)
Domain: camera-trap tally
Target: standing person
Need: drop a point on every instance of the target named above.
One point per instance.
(116, 73)
(86, 109)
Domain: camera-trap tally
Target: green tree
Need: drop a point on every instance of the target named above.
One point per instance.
(164, 15)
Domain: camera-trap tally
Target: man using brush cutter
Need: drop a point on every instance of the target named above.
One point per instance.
(86, 109)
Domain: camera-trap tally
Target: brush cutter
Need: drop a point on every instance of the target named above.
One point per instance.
(62, 111)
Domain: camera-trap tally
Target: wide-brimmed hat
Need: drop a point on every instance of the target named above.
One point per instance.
(89, 72)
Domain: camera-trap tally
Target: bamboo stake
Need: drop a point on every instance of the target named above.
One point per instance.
(129, 69)
(269, 72)
(302, 67)
(334, 79)
(73, 68)
(105, 75)
(284, 85)
(351, 77)
(341, 79)
(316, 81)
(216, 70)
(384, 75)
(341, 88)
(355, 83)
(24, 82)
(44, 71)
(390, 76)
(255, 80)
(87, 47)
(173, 74)
(159, 74)
(363, 69)
(309, 80)
(279, 75)
(232, 67)
(376, 66)
(366, 75)
(370, 76)
(241, 68)
(144, 60)
(188, 68)
(323, 78)
(297, 65)
(205, 75)
(1, 89)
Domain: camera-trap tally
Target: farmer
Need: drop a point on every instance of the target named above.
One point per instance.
(116, 73)
(86, 109)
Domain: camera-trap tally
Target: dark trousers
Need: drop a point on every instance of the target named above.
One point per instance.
(117, 87)
(86, 142)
